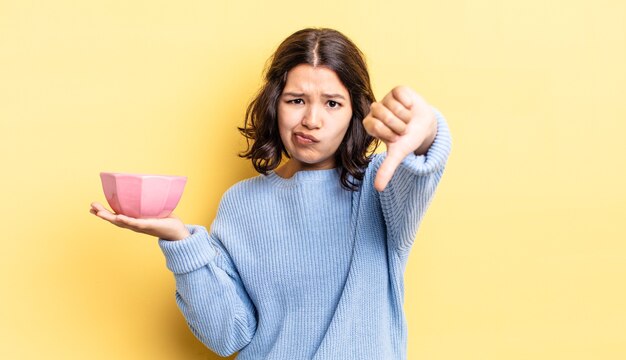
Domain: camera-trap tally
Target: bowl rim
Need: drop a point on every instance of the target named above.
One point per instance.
(138, 175)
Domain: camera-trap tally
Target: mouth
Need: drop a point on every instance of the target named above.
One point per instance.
(305, 138)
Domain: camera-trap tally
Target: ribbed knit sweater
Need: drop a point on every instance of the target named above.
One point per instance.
(302, 268)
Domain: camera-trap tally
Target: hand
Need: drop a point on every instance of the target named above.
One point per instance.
(169, 228)
(405, 123)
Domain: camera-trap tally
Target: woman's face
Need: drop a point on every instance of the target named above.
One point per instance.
(314, 112)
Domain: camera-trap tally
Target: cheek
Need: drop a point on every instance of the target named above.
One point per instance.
(285, 119)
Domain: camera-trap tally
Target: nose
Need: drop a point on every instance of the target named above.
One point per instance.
(312, 118)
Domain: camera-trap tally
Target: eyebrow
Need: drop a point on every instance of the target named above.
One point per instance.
(328, 96)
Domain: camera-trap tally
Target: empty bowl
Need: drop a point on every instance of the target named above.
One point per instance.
(142, 196)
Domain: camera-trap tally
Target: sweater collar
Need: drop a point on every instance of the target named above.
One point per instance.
(306, 176)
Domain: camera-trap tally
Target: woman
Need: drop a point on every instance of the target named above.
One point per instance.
(306, 260)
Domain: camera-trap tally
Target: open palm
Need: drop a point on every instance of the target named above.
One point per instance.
(169, 228)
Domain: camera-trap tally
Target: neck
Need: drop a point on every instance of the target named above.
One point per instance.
(293, 166)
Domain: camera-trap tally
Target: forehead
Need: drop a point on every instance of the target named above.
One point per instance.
(319, 79)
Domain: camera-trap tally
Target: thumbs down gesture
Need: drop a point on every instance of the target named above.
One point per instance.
(405, 123)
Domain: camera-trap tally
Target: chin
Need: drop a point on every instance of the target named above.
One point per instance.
(312, 159)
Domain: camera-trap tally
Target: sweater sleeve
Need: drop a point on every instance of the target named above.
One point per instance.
(209, 291)
(411, 188)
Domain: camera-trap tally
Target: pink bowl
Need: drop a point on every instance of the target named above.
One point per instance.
(142, 196)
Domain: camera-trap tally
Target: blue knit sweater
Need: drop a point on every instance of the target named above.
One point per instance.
(302, 268)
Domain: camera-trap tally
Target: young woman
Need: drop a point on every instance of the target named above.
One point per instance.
(306, 260)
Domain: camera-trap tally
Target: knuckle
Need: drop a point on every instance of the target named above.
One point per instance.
(367, 122)
(385, 133)
(403, 94)
(398, 91)
(375, 107)
(384, 114)
(398, 109)
(387, 98)
(378, 126)
(386, 118)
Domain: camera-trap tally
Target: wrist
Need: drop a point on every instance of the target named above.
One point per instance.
(183, 234)
(428, 140)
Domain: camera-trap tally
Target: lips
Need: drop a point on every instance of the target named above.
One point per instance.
(306, 137)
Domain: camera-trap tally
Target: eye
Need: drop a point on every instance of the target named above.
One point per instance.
(295, 101)
(333, 104)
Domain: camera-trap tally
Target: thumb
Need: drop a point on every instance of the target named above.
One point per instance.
(386, 170)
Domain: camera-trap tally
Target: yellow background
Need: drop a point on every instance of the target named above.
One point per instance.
(521, 256)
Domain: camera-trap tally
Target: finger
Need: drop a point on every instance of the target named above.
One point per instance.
(377, 129)
(104, 214)
(397, 109)
(108, 216)
(382, 113)
(404, 95)
(98, 207)
(386, 170)
(131, 223)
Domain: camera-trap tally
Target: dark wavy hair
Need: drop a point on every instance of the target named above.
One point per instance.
(316, 47)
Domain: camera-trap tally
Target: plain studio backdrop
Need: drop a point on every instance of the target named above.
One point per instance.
(522, 254)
